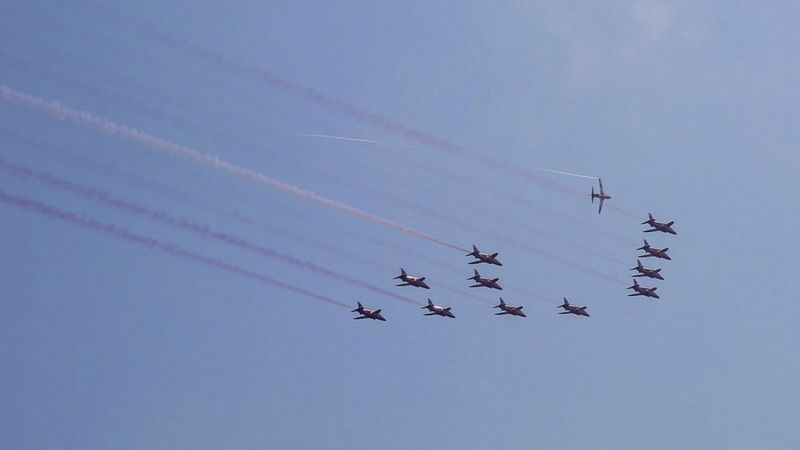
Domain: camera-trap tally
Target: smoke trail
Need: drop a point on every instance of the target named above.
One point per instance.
(189, 126)
(109, 170)
(261, 75)
(340, 138)
(558, 172)
(187, 225)
(182, 124)
(185, 198)
(125, 235)
(114, 129)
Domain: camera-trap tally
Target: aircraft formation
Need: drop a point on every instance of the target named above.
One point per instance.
(650, 252)
(493, 283)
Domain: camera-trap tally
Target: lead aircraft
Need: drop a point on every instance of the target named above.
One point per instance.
(602, 196)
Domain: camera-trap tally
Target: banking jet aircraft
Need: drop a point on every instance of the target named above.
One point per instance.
(484, 257)
(658, 226)
(645, 272)
(367, 313)
(640, 290)
(570, 309)
(436, 310)
(485, 282)
(506, 309)
(652, 251)
(602, 196)
(408, 280)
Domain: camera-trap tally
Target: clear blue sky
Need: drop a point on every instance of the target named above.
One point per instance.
(686, 109)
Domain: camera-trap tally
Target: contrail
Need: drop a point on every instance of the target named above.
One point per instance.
(125, 235)
(261, 75)
(183, 124)
(558, 172)
(266, 77)
(187, 225)
(340, 138)
(86, 119)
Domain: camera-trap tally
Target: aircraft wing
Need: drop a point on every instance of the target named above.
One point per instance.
(601, 186)
(600, 209)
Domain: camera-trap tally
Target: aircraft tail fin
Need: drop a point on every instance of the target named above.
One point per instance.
(592, 194)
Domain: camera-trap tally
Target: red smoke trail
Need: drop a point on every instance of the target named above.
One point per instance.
(131, 134)
(187, 199)
(177, 123)
(202, 131)
(84, 118)
(123, 234)
(264, 76)
(182, 124)
(187, 225)
(109, 170)
(562, 260)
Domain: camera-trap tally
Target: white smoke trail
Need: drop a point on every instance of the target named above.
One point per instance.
(340, 138)
(132, 134)
(558, 172)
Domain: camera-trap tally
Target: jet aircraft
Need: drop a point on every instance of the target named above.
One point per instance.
(652, 251)
(571, 309)
(485, 282)
(641, 290)
(408, 280)
(658, 226)
(436, 310)
(602, 196)
(506, 309)
(367, 313)
(645, 272)
(484, 257)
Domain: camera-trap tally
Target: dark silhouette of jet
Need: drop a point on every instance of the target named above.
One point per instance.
(511, 310)
(367, 313)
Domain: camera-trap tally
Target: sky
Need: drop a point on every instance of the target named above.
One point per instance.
(194, 195)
